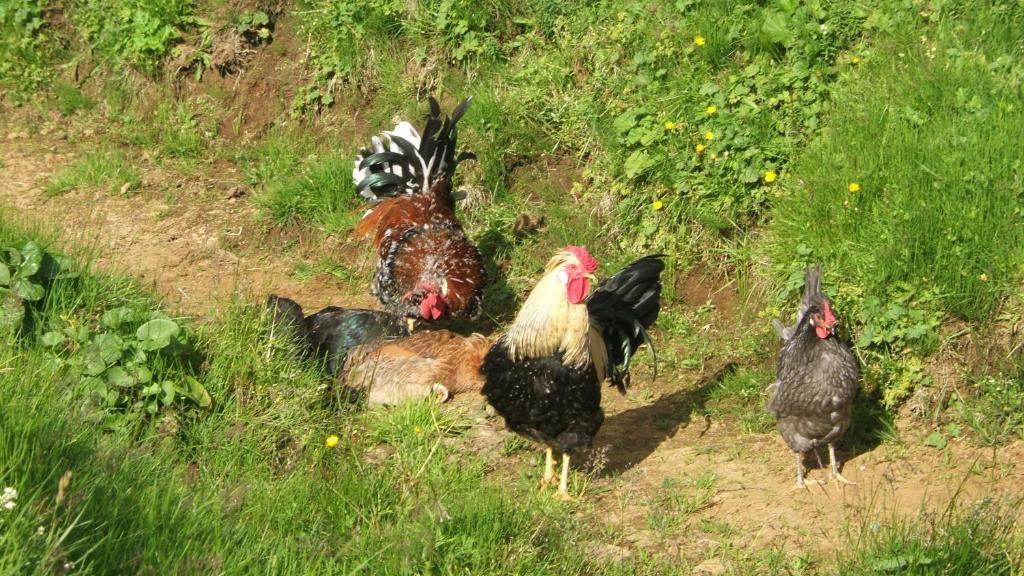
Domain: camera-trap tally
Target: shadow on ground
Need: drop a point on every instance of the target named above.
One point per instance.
(633, 435)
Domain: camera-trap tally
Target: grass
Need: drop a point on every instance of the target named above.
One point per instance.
(222, 489)
(979, 539)
(108, 168)
(628, 135)
(937, 205)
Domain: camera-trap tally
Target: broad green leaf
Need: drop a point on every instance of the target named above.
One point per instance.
(156, 333)
(31, 260)
(628, 119)
(110, 346)
(637, 163)
(51, 339)
(5, 275)
(150, 390)
(116, 317)
(197, 393)
(118, 376)
(27, 289)
(12, 311)
(935, 440)
(168, 396)
(776, 28)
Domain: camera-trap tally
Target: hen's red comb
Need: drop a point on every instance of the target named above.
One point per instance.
(587, 261)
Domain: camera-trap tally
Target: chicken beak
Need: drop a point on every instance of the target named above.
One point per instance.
(591, 277)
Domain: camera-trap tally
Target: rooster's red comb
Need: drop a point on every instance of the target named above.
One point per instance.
(587, 261)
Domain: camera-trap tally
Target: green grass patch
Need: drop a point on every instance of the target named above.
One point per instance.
(27, 48)
(742, 392)
(911, 195)
(108, 168)
(137, 33)
(980, 539)
(221, 489)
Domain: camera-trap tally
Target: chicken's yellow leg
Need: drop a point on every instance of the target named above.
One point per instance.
(836, 476)
(549, 468)
(563, 485)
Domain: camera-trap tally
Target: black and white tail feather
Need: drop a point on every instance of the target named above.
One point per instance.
(622, 307)
(401, 161)
(812, 295)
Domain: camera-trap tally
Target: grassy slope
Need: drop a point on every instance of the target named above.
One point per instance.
(234, 484)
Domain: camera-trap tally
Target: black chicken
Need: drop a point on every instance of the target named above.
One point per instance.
(544, 375)
(816, 382)
(332, 333)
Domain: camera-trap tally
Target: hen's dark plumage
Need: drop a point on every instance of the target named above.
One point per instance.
(817, 378)
(332, 333)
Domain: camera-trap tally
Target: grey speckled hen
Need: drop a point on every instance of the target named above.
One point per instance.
(817, 379)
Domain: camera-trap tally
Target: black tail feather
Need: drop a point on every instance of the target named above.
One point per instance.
(623, 307)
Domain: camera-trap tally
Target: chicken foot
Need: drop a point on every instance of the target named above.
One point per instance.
(836, 476)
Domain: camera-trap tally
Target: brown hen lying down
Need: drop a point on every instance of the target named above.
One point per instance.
(434, 362)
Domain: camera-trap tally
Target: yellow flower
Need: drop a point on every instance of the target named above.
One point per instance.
(699, 148)
(670, 125)
(657, 205)
(709, 135)
(711, 110)
(698, 40)
(855, 60)
(770, 176)
(853, 187)
(983, 277)
(332, 441)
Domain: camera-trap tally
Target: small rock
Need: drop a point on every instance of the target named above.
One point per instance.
(125, 188)
(710, 567)
(237, 192)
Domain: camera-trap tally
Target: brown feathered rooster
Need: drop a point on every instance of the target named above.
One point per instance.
(544, 375)
(816, 381)
(427, 268)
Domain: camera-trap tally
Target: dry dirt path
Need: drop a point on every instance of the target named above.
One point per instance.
(204, 247)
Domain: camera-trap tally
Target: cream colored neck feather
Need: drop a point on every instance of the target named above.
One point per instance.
(547, 324)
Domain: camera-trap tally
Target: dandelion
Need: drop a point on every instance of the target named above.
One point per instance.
(770, 176)
(417, 430)
(8, 498)
(670, 125)
(855, 60)
(709, 135)
(983, 277)
(658, 205)
(331, 441)
(699, 148)
(710, 110)
(698, 40)
(853, 187)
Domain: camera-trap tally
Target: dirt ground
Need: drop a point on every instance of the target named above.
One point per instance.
(208, 246)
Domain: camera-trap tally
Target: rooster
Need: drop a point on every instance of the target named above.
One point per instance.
(427, 267)
(816, 381)
(544, 375)
(372, 351)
